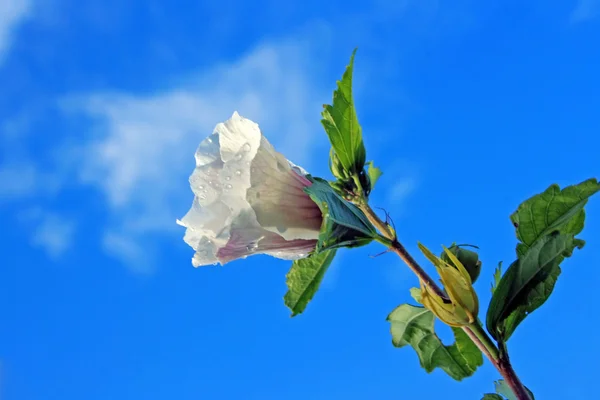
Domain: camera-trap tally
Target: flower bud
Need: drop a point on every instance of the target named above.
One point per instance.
(462, 306)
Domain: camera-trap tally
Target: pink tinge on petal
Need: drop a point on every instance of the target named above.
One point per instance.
(244, 242)
(300, 178)
(281, 205)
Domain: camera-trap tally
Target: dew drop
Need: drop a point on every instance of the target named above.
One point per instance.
(252, 246)
(281, 167)
(238, 172)
(227, 178)
(246, 147)
(238, 157)
(228, 186)
(201, 187)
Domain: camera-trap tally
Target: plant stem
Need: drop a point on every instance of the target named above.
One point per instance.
(500, 361)
(475, 331)
(510, 376)
(399, 249)
(489, 354)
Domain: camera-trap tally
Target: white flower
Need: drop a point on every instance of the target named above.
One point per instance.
(248, 199)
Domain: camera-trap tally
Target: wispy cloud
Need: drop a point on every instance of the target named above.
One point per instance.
(145, 148)
(401, 189)
(12, 12)
(17, 181)
(401, 181)
(129, 250)
(585, 10)
(20, 180)
(51, 232)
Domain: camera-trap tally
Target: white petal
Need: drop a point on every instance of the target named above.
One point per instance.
(248, 199)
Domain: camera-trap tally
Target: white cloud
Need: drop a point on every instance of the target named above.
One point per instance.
(20, 180)
(50, 232)
(128, 249)
(17, 181)
(401, 181)
(146, 146)
(401, 189)
(12, 12)
(585, 10)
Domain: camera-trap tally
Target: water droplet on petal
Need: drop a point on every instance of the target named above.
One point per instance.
(281, 167)
(238, 172)
(246, 147)
(227, 178)
(201, 187)
(228, 186)
(252, 246)
(238, 157)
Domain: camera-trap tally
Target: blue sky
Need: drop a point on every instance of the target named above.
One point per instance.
(469, 109)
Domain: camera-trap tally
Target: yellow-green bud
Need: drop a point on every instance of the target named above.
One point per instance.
(462, 306)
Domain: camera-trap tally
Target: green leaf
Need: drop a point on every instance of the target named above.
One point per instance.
(546, 226)
(552, 210)
(415, 326)
(341, 124)
(304, 278)
(492, 396)
(373, 173)
(415, 293)
(536, 297)
(526, 284)
(503, 389)
(344, 225)
(497, 277)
